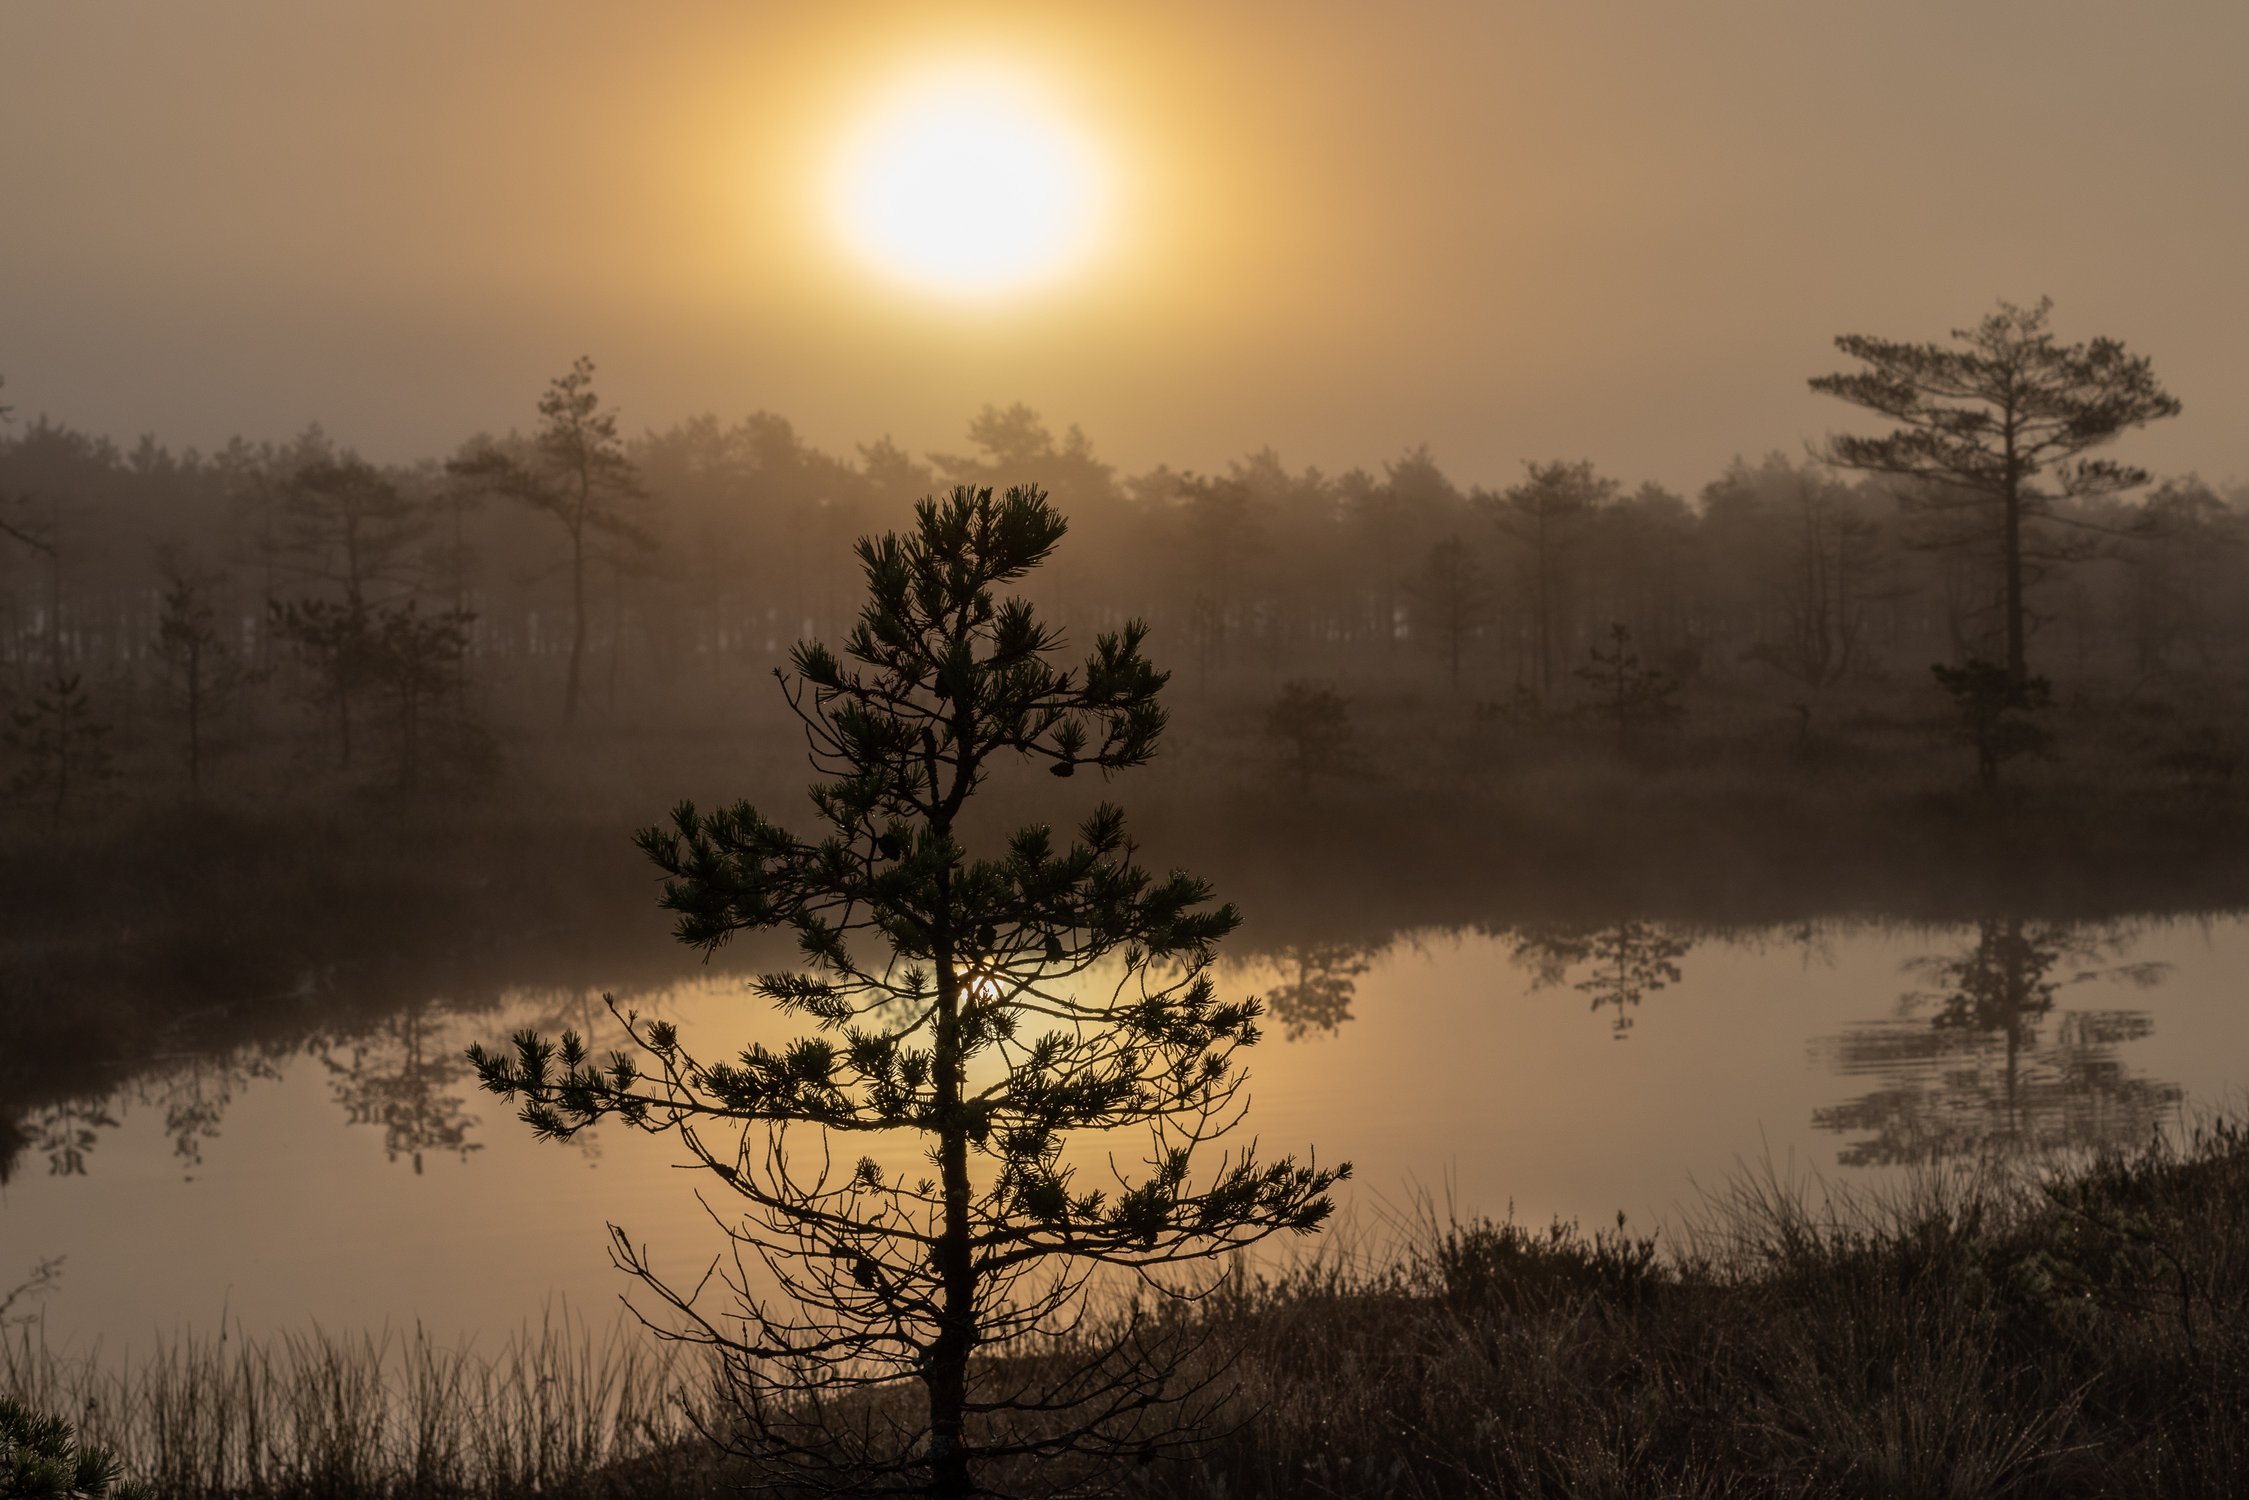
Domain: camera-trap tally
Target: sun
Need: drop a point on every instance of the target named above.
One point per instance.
(970, 184)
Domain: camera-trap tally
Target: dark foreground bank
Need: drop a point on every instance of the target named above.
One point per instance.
(2084, 1332)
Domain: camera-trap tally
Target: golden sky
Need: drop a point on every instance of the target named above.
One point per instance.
(1512, 229)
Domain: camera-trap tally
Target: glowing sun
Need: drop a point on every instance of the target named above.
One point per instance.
(969, 184)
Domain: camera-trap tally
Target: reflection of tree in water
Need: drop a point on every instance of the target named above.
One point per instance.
(1965, 1068)
(1319, 997)
(64, 1133)
(15, 1139)
(1622, 963)
(195, 1093)
(192, 1092)
(398, 1075)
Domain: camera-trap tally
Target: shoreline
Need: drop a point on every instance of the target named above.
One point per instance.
(2070, 1330)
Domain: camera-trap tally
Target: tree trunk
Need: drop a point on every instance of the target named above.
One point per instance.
(2011, 542)
(577, 621)
(55, 655)
(948, 1355)
(194, 720)
(460, 611)
(62, 767)
(616, 628)
(1623, 698)
(343, 719)
(409, 731)
(1544, 623)
(2018, 655)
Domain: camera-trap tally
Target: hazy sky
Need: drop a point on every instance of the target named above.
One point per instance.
(1509, 229)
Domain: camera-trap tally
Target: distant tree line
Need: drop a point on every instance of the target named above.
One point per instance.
(389, 609)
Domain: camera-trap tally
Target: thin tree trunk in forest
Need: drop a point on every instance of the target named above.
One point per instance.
(62, 765)
(2018, 654)
(195, 720)
(410, 729)
(616, 627)
(577, 620)
(346, 667)
(1543, 625)
(54, 593)
(460, 609)
(268, 550)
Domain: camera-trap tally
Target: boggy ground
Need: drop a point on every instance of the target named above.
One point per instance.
(2084, 1332)
(2084, 1336)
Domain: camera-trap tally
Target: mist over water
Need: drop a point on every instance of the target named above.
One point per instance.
(750, 658)
(353, 1176)
(1550, 914)
(1596, 850)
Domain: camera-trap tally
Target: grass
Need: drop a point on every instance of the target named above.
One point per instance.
(2080, 1332)
(1974, 1335)
(558, 1411)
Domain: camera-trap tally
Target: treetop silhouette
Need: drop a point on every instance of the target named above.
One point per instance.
(577, 471)
(1982, 420)
(986, 1007)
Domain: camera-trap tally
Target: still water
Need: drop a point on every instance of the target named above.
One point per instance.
(361, 1180)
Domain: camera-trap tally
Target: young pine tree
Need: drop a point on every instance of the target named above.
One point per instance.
(62, 745)
(338, 643)
(1625, 692)
(416, 657)
(982, 1008)
(43, 1458)
(200, 670)
(578, 473)
(1993, 710)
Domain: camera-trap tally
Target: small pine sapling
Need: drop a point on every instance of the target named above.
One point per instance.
(986, 1009)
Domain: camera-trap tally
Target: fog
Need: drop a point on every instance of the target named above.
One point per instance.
(1663, 592)
(1509, 231)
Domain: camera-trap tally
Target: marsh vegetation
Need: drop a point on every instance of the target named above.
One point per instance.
(2076, 1331)
(318, 761)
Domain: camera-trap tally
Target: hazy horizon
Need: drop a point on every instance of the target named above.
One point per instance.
(1509, 232)
(1739, 894)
